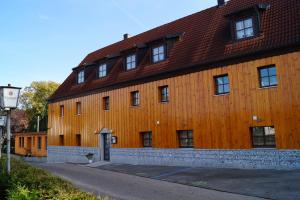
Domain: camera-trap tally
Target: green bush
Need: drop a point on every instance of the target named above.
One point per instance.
(22, 193)
(29, 183)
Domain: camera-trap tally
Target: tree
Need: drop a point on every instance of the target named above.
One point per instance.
(34, 101)
(19, 121)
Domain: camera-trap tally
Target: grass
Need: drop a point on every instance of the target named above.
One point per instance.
(29, 183)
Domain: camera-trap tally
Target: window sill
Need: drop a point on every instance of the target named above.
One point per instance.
(164, 102)
(101, 78)
(154, 63)
(224, 94)
(79, 84)
(137, 106)
(268, 87)
(264, 148)
(130, 70)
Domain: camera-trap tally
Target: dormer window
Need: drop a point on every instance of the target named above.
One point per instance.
(158, 53)
(131, 62)
(102, 70)
(80, 77)
(244, 28)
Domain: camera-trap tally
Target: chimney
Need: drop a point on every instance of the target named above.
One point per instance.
(126, 36)
(221, 2)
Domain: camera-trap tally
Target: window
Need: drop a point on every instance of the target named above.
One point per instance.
(158, 54)
(78, 108)
(164, 93)
(106, 103)
(147, 139)
(222, 84)
(80, 77)
(61, 140)
(244, 28)
(267, 76)
(185, 138)
(130, 62)
(102, 70)
(21, 142)
(46, 142)
(39, 143)
(78, 140)
(61, 110)
(33, 141)
(135, 98)
(263, 137)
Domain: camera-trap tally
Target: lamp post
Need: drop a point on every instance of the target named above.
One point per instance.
(2, 126)
(9, 97)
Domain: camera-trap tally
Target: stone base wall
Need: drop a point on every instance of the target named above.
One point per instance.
(35, 159)
(247, 159)
(62, 154)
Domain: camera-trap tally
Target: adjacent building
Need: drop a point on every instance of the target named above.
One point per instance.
(31, 144)
(218, 88)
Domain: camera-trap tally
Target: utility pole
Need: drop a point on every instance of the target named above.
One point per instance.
(8, 142)
(1, 136)
(38, 124)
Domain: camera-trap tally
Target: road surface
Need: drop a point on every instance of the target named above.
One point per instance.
(128, 187)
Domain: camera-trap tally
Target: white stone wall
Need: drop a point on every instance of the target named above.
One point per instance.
(63, 154)
(247, 159)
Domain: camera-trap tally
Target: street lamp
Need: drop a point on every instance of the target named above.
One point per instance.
(9, 97)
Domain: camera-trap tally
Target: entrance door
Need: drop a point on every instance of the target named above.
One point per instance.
(106, 146)
(28, 147)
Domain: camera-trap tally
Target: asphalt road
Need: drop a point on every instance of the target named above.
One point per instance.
(128, 187)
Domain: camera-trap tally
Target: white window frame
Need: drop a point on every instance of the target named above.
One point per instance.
(131, 62)
(242, 27)
(80, 77)
(102, 70)
(158, 53)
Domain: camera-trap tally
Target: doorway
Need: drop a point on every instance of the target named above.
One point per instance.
(105, 143)
(106, 146)
(28, 147)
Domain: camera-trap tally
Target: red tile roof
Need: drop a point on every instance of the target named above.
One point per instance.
(205, 39)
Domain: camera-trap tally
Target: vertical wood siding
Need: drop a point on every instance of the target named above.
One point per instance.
(219, 122)
(31, 147)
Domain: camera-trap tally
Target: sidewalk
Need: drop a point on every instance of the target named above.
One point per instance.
(272, 184)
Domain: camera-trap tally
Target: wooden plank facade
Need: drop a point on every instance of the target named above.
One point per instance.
(217, 121)
(31, 144)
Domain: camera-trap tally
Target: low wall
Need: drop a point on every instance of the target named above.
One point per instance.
(62, 154)
(247, 159)
(35, 159)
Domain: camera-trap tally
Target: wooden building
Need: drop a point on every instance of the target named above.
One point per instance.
(217, 88)
(31, 144)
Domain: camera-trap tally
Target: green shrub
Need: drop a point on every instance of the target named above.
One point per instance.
(22, 193)
(29, 183)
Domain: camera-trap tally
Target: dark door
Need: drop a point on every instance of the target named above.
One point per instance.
(106, 146)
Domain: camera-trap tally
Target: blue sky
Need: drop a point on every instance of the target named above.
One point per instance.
(45, 39)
